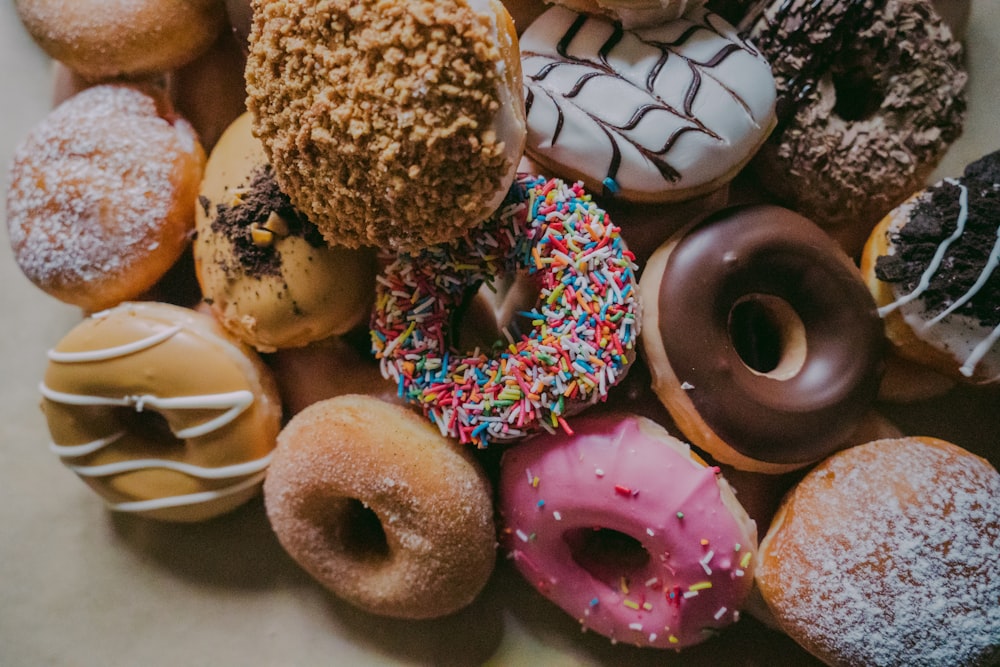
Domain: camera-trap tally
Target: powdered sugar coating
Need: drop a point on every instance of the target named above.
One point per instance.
(887, 554)
(92, 186)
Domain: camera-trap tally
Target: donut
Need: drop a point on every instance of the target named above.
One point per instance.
(584, 325)
(931, 265)
(871, 93)
(102, 195)
(634, 13)
(381, 509)
(161, 412)
(266, 271)
(626, 530)
(762, 339)
(523, 12)
(658, 114)
(885, 554)
(407, 132)
(105, 40)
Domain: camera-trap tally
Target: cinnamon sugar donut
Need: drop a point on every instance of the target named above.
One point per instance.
(161, 412)
(870, 95)
(119, 38)
(406, 131)
(102, 195)
(886, 554)
(381, 509)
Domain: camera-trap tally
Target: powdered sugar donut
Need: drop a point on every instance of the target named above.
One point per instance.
(583, 327)
(656, 114)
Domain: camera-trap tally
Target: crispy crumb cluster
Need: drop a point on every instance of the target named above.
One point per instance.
(377, 115)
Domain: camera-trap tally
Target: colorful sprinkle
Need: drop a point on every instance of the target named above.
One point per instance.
(585, 321)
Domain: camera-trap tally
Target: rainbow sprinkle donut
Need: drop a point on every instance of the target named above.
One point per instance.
(585, 322)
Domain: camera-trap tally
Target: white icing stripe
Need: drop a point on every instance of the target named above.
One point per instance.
(201, 472)
(984, 346)
(73, 451)
(234, 402)
(189, 499)
(935, 263)
(113, 352)
(991, 264)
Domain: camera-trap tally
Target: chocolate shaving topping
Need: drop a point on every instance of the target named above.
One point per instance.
(237, 222)
(933, 218)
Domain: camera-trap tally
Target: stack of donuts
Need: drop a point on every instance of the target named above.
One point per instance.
(617, 290)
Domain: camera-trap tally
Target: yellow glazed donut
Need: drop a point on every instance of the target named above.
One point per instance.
(119, 38)
(161, 412)
(264, 269)
(381, 509)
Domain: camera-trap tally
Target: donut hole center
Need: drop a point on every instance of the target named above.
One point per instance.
(858, 95)
(148, 426)
(360, 532)
(768, 336)
(606, 554)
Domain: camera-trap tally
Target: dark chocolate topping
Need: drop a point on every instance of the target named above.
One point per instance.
(986, 168)
(714, 275)
(933, 218)
(236, 222)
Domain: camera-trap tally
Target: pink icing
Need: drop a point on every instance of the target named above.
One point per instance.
(685, 567)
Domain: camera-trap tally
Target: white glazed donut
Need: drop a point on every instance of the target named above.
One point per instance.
(658, 114)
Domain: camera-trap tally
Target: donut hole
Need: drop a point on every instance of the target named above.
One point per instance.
(149, 426)
(858, 96)
(768, 336)
(606, 554)
(360, 533)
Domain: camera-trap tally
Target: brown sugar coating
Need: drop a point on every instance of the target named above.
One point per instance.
(388, 123)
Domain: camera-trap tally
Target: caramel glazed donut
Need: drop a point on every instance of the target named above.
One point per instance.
(161, 412)
(869, 92)
(762, 339)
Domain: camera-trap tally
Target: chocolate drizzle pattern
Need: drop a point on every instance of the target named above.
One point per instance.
(595, 56)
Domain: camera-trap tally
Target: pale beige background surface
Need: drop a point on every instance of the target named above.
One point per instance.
(81, 587)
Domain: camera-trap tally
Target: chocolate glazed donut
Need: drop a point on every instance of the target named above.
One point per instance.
(761, 338)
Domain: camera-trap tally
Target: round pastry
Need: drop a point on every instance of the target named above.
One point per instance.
(592, 524)
(382, 510)
(264, 269)
(161, 412)
(932, 266)
(868, 92)
(523, 12)
(635, 13)
(885, 554)
(761, 337)
(407, 131)
(102, 195)
(658, 114)
(104, 40)
(583, 326)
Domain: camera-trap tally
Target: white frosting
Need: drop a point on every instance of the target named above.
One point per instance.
(702, 110)
(113, 352)
(188, 499)
(201, 472)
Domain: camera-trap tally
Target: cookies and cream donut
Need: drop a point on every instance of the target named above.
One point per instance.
(265, 271)
(109, 39)
(382, 509)
(932, 265)
(102, 195)
(656, 114)
(626, 529)
(161, 412)
(761, 337)
(406, 132)
(885, 554)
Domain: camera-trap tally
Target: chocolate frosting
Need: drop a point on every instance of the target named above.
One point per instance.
(767, 250)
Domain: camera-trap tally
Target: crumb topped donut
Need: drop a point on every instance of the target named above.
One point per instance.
(102, 195)
(265, 271)
(405, 131)
(381, 509)
(886, 554)
(122, 38)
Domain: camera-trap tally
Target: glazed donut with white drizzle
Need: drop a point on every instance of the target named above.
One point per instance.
(161, 412)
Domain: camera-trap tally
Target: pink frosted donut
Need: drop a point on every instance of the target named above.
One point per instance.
(625, 529)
